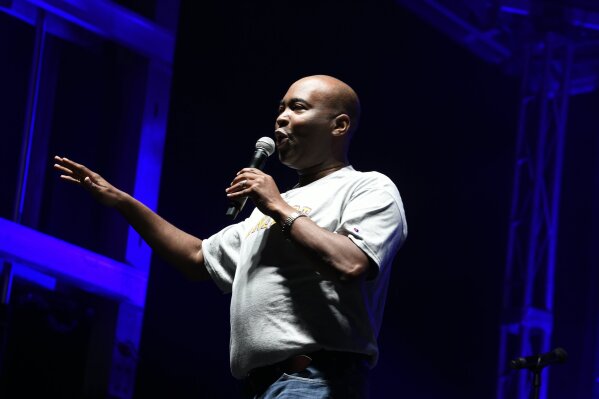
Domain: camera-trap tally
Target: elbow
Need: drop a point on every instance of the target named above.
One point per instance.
(355, 271)
(198, 270)
(194, 267)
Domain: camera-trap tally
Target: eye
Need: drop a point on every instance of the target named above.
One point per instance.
(297, 106)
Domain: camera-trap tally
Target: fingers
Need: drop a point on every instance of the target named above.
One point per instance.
(242, 180)
(62, 169)
(87, 183)
(67, 174)
(248, 174)
(74, 166)
(61, 166)
(63, 161)
(69, 179)
(72, 171)
(239, 187)
(247, 182)
(250, 170)
(239, 178)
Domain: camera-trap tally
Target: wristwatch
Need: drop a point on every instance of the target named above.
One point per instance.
(288, 221)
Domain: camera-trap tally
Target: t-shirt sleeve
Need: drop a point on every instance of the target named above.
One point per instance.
(221, 255)
(374, 220)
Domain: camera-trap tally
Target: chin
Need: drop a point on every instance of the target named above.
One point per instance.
(287, 162)
(284, 157)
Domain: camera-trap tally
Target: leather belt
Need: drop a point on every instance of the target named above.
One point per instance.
(259, 379)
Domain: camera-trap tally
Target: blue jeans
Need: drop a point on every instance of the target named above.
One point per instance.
(342, 382)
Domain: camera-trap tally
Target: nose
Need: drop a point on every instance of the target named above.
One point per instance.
(282, 120)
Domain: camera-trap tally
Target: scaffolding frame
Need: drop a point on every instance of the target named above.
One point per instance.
(527, 306)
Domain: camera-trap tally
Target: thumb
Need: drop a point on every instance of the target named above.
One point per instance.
(88, 183)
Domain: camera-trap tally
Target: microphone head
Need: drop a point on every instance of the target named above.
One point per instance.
(266, 144)
(560, 355)
(536, 362)
(518, 363)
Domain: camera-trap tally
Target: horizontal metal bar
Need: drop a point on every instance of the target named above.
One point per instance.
(32, 275)
(104, 18)
(60, 259)
(575, 16)
(444, 19)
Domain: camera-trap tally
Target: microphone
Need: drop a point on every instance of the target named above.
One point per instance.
(265, 147)
(558, 355)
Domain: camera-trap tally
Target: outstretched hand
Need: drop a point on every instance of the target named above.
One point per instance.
(76, 173)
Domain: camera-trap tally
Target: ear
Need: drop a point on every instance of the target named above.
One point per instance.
(341, 125)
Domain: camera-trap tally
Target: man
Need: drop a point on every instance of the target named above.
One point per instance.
(308, 270)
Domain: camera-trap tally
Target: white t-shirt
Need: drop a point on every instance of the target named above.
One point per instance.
(281, 305)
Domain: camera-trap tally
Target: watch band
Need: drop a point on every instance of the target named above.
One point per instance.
(288, 222)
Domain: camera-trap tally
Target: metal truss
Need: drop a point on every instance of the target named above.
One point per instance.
(531, 256)
(517, 36)
(42, 259)
(496, 30)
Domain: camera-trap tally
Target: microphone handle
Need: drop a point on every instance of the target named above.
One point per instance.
(258, 161)
(235, 207)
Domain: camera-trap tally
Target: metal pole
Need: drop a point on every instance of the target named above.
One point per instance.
(26, 144)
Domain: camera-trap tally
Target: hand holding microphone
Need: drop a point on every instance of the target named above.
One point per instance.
(265, 147)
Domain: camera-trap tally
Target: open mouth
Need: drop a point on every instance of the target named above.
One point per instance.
(281, 138)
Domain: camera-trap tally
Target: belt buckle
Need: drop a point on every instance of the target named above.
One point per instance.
(260, 379)
(295, 364)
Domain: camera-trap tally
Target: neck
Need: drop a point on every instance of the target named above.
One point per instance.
(312, 174)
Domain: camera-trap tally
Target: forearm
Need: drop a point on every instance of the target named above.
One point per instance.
(336, 251)
(177, 247)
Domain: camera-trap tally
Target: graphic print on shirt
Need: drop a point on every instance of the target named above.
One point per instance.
(266, 222)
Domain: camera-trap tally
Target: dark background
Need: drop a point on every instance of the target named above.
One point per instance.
(437, 120)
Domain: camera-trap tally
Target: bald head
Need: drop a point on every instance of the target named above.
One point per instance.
(340, 97)
(316, 119)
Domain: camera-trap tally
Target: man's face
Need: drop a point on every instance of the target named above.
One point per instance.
(304, 123)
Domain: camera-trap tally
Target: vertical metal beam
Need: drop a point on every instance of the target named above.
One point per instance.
(156, 42)
(27, 142)
(30, 119)
(532, 244)
(591, 342)
(139, 254)
(147, 187)
(125, 351)
(150, 154)
(26, 146)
